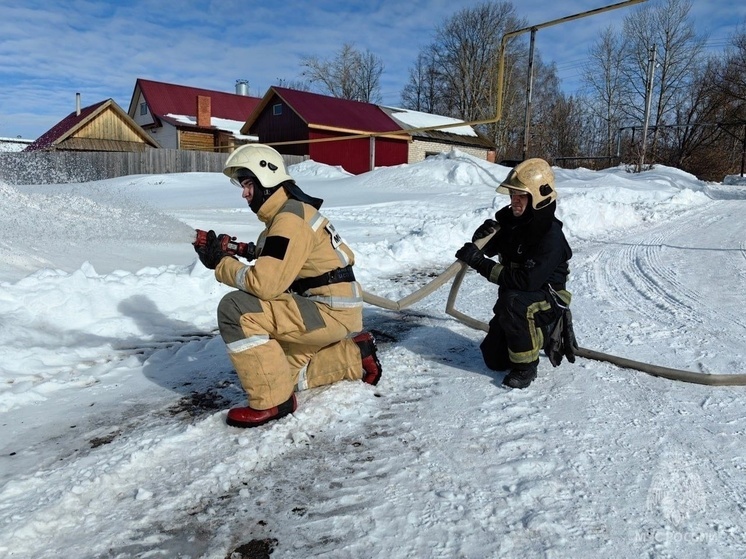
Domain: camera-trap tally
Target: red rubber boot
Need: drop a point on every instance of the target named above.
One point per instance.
(372, 369)
(249, 417)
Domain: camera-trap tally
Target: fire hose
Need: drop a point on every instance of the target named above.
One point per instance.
(456, 272)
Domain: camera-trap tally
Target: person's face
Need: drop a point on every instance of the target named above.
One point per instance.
(518, 202)
(247, 190)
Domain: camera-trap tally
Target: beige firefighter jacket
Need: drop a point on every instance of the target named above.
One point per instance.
(297, 242)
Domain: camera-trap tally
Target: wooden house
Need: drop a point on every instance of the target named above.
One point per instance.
(101, 127)
(286, 115)
(190, 118)
(432, 142)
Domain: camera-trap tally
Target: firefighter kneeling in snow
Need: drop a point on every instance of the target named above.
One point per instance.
(532, 309)
(296, 320)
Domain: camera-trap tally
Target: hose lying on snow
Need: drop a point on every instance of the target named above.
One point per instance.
(458, 270)
(665, 372)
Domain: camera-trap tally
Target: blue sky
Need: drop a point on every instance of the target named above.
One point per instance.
(52, 49)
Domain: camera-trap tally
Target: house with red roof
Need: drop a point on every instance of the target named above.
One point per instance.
(309, 124)
(103, 126)
(190, 118)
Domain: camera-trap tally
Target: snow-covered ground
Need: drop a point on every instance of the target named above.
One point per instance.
(114, 384)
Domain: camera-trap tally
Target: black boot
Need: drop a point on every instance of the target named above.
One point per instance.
(520, 378)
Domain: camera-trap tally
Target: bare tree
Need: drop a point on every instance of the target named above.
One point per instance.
(668, 27)
(466, 49)
(564, 124)
(298, 85)
(351, 74)
(696, 143)
(456, 75)
(605, 85)
(370, 68)
(545, 110)
(422, 91)
(732, 75)
(729, 79)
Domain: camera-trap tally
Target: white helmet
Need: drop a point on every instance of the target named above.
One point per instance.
(263, 162)
(534, 177)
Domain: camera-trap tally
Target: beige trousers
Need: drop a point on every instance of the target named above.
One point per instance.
(287, 343)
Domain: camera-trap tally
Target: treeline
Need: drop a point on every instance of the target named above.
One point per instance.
(652, 67)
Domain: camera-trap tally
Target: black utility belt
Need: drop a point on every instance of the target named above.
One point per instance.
(335, 276)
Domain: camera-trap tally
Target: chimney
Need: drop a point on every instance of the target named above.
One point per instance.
(204, 118)
(242, 87)
(77, 104)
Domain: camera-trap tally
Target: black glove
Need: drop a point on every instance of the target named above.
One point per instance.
(562, 342)
(554, 348)
(475, 258)
(212, 252)
(569, 342)
(249, 253)
(487, 228)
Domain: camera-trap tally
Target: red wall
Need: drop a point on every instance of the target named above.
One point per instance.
(354, 155)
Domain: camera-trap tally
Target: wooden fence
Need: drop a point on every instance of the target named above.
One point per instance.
(55, 167)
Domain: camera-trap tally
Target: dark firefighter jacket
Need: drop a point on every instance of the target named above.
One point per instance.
(533, 250)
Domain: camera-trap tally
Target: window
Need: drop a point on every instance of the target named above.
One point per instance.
(276, 109)
(143, 108)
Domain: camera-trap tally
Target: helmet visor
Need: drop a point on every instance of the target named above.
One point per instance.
(240, 175)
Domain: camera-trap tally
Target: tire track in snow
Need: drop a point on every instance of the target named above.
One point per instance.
(650, 287)
(656, 295)
(718, 236)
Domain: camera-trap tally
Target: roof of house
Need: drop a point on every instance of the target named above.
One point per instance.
(63, 128)
(166, 99)
(322, 111)
(8, 145)
(413, 120)
(73, 122)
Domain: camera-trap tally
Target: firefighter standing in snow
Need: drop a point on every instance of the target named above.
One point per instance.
(292, 323)
(532, 272)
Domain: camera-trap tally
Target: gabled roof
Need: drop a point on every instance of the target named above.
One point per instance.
(73, 122)
(322, 111)
(170, 99)
(64, 128)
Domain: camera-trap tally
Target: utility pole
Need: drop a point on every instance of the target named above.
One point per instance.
(648, 100)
